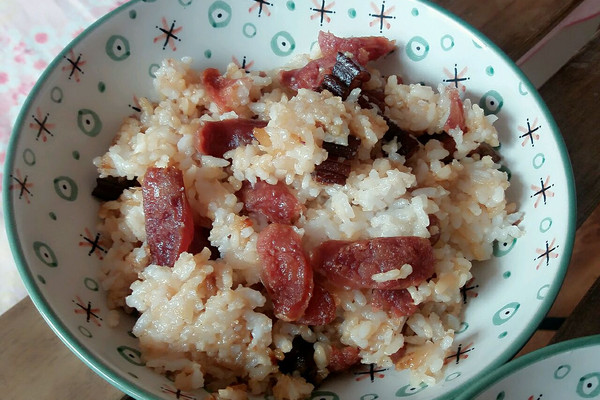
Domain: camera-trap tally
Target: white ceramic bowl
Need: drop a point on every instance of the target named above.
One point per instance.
(566, 370)
(78, 105)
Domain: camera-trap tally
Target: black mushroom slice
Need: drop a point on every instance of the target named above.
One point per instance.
(110, 187)
(409, 145)
(301, 360)
(336, 168)
(345, 76)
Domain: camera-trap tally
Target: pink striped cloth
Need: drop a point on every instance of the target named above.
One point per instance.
(32, 33)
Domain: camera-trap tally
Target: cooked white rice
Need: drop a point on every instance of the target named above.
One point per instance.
(203, 322)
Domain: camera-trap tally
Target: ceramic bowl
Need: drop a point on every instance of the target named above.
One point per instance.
(78, 105)
(566, 370)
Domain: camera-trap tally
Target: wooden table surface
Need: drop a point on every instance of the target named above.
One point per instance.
(36, 365)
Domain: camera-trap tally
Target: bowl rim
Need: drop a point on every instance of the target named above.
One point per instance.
(136, 390)
(515, 366)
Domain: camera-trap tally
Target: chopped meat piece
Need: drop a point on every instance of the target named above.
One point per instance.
(286, 274)
(364, 49)
(485, 149)
(321, 308)
(409, 145)
(215, 138)
(220, 89)
(110, 187)
(331, 172)
(168, 215)
(301, 360)
(343, 358)
(308, 77)
(352, 264)
(200, 241)
(275, 202)
(348, 152)
(456, 119)
(397, 302)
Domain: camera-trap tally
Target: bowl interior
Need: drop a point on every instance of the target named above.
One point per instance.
(78, 105)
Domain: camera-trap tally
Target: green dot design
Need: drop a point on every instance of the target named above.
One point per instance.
(154, 67)
(541, 293)
(132, 355)
(41, 279)
(325, 395)
(491, 102)
(501, 396)
(101, 87)
(66, 188)
(410, 390)
(290, 5)
(208, 54)
(52, 216)
(417, 48)
(545, 224)
(502, 335)
(502, 249)
(219, 14)
(76, 155)
(91, 284)
(539, 160)
(89, 122)
(133, 14)
(45, 254)
(415, 12)
(490, 70)
(463, 327)
(447, 42)
(29, 157)
(56, 95)
(117, 48)
(562, 371)
(370, 396)
(84, 331)
(453, 376)
(352, 13)
(283, 44)
(506, 275)
(589, 385)
(249, 30)
(185, 3)
(505, 313)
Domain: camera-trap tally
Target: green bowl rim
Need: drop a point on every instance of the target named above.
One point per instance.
(513, 367)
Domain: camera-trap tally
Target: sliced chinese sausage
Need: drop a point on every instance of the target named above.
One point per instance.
(167, 213)
(275, 202)
(353, 264)
(215, 138)
(456, 118)
(364, 49)
(343, 358)
(321, 307)
(399, 303)
(220, 89)
(286, 273)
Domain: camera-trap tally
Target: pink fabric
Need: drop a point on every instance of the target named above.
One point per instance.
(32, 33)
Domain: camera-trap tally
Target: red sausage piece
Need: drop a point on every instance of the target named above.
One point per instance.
(168, 215)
